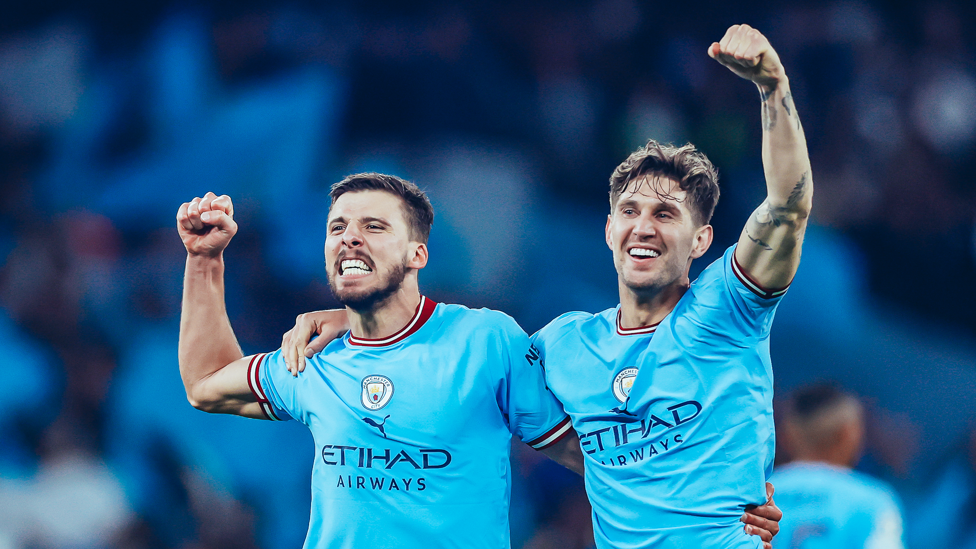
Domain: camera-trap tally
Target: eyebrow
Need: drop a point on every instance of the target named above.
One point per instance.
(369, 219)
(668, 205)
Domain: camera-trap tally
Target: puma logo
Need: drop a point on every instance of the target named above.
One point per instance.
(379, 425)
(617, 410)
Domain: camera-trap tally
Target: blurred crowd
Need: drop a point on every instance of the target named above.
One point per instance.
(512, 115)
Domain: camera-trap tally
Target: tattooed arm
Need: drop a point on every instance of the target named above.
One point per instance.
(769, 247)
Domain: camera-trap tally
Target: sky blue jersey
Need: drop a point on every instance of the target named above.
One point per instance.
(412, 432)
(828, 507)
(676, 419)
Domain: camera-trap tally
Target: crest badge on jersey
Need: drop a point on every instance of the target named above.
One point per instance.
(377, 392)
(623, 382)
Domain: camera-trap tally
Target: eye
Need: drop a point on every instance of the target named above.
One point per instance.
(664, 215)
(629, 211)
(374, 227)
(337, 229)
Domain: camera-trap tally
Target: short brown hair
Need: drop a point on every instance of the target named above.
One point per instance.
(694, 172)
(416, 205)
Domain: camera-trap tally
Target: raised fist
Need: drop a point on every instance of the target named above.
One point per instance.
(747, 53)
(206, 224)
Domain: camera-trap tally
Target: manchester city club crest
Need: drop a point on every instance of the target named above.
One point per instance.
(377, 392)
(623, 382)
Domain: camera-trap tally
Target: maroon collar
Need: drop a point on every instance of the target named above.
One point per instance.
(424, 309)
(635, 331)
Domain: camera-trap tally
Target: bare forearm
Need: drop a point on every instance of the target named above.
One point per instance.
(207, 341)
(786, 162)
(769, 246)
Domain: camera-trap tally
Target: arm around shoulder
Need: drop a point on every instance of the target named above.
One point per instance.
(567, 452)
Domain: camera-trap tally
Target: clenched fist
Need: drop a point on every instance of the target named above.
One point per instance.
(206, 224)
(747, 53)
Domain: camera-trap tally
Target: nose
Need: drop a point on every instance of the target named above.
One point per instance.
(352, 237)
(645, 227)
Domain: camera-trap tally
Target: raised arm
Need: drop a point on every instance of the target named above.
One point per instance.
(769, 246)
(213, 368)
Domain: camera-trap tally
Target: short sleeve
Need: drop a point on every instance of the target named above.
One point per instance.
(534, 415)
(727, 296)
(768, 295)
(274, 386)
(547, 338)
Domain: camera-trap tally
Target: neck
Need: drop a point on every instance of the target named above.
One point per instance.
(386, 317)
(645, 307)
(838, 457)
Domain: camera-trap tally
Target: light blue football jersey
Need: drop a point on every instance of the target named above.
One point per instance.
(827, 507)
(413, 432)
(676, 419)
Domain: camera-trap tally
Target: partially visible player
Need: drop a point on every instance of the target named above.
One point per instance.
(827, 504)
(412, 413)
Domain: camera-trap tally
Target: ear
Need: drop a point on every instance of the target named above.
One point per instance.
(703, 239)
(850, 438)
(607, 232)
(418, 257)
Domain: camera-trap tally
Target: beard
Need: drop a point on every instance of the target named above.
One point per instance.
(643, 283)
(366, 300)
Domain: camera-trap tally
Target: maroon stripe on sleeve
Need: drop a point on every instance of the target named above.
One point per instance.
(254, 383)
(552, 436)
(754, 286)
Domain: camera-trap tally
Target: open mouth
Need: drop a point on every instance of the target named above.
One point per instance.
(643, 253)
(352, 267)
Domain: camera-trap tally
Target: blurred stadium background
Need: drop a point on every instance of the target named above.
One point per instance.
(512, 115)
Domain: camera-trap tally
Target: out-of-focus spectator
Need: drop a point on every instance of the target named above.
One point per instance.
(73, 499)
(825, 503)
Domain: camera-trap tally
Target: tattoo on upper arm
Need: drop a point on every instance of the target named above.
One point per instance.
(798, 191)
(759, 242)
(766, 215)
(763, 218)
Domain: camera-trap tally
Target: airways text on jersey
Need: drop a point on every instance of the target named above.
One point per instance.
(388, 469)
(617, 443)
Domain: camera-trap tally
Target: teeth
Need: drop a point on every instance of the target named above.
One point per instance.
(643, 252)
(354, 266)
